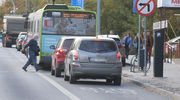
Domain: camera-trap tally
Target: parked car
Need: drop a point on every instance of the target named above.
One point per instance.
(120, 46)
(20, 39)
(59, 55)
(25, 52)
(93, 58)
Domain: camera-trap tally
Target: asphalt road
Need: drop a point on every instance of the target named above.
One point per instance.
(15, 84)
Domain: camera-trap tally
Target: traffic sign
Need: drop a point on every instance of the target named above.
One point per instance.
(145, 7)
(134, 8)
(78, 3)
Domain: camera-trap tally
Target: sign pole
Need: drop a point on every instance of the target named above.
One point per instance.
(99, 17)
(139, 40)
(145, 56)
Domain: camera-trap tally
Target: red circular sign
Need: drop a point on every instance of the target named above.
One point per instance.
(145, 7)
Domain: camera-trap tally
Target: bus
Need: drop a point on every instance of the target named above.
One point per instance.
(55, 21)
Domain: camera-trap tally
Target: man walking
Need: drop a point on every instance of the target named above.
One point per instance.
(127, 44)
(33, 52)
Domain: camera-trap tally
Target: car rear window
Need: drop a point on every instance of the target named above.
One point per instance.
(118, 42)
(67, 43)
(98, 46)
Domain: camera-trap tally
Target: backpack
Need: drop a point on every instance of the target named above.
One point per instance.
(126, 42)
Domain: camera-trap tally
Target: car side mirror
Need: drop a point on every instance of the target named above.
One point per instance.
(53, 47)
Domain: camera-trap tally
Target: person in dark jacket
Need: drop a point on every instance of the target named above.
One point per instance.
(33, 52)
(127, 44)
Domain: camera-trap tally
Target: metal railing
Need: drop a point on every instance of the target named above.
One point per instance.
(168, 53)
(171, 50)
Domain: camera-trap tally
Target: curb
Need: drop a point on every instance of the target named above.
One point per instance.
(153, 89)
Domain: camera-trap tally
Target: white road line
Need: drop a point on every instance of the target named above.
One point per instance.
(59, 87)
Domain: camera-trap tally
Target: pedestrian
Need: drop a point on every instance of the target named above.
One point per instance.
(135, 43)
(127, 44)
(149, 44)
(33, 52)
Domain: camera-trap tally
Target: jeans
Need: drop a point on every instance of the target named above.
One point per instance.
(31, 60)
(127, 52)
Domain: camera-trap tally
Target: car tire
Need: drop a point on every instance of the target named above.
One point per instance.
(72, 78)
(66, 78)
(109, 81)
(57, 72)
(52, 70)
(117, 81)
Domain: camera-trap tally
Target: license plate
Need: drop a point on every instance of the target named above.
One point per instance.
(97, 60)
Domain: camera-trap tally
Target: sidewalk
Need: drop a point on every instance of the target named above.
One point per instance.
(169, 85)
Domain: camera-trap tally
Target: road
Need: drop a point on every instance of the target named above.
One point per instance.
(19, 85)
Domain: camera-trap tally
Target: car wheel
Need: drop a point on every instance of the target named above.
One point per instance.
(52, 70)
(72, 78)
(66, 78)
(109, 81)
(57, 71)
(117, 81)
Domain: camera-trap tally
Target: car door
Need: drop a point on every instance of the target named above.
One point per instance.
(68, 59)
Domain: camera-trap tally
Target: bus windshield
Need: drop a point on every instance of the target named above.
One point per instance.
(69, 23)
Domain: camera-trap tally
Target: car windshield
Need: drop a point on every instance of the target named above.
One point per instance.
(97, 46)
(69, 23)
(67, 43)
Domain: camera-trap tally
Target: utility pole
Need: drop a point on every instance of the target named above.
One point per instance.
(48, 1)
(26, 7)
(30, 8)
(99, 17)
(14, 7)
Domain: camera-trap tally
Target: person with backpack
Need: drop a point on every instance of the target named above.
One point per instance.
(33, 52)
(127, 44)
(135, 43)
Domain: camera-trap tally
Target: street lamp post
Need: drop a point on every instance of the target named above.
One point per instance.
(25, 7)
(99, 17)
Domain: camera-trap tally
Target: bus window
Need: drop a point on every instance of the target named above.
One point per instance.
(69, 23)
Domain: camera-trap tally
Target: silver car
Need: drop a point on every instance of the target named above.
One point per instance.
(93, 58)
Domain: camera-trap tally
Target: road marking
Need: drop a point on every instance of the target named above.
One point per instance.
(59, 87)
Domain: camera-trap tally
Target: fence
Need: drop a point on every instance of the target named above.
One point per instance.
(177, 54)
(171, 50)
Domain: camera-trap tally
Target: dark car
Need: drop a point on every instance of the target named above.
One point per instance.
(59, 55)
(20, 40)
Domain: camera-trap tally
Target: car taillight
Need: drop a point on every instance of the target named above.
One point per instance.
(8, 38)
(24, 42)
(75, 56)
(62, 51)
(118, 56)
(119, 46)
(20, 42)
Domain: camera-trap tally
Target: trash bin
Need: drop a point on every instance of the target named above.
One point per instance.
(141, 58)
